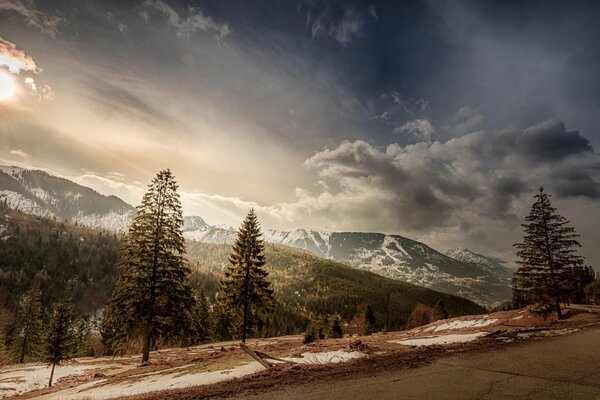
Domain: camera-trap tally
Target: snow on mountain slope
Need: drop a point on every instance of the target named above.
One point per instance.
(473, 276)
(194, 223)
(487, 264)
(391, 256)
(39, 193)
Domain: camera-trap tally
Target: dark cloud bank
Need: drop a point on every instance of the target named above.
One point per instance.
(424, 186)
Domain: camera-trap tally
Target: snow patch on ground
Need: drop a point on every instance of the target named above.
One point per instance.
(443, 339)
(33, 377)
(154, 382)
(175, 378)
(474, 323)
(330, 357)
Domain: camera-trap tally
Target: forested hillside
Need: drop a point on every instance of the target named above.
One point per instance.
(318, 286)
(306, 286)
(58, 254)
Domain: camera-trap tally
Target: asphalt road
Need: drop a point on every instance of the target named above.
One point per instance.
(562, 368)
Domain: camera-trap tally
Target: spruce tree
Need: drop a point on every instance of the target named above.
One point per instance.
(29, 327)
(547, 257)
(440, 310)
(202, 320)
(369, 321)
(336, 331)
(152, 297)
(245, 287)
(61, 337)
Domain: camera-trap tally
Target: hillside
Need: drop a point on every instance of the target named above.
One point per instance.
(306, 282)
(39, 193)
(58, 253)
(392, 256)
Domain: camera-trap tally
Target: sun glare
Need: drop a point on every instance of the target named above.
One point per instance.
(7, 86)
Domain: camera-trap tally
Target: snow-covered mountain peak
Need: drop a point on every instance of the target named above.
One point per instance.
(482, 279)
(489, 264)
(15, 172)
(194, 223)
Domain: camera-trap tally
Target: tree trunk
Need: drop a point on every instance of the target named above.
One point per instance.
(246, 283)
(146, 348)
(22, 356)
(245, 315)
(51, 375)
(558, 312)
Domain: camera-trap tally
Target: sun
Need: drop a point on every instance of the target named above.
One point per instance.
(7, 86)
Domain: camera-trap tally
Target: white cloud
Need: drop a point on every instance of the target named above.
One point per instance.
(373, 12)
(467, 120)
(16, 60)
(184, 27)
(47, 24)
(420, 129)
(343, 30)
(20, 153)
(41, 92)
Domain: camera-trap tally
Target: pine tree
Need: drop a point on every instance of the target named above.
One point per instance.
(547, 257)
(440, 310)
(245, 285)
(61, 337)
(202, 321)
(152, 298)
(29, 325)
(336, 331)
(369, 321)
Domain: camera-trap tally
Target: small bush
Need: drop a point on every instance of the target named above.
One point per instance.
(309, 337)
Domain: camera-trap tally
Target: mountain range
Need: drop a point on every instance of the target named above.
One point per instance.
(482, 279)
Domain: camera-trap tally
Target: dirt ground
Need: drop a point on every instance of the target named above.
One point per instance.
(393, 351)
(557, 368)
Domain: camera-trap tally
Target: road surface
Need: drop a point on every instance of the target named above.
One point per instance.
(565, 367)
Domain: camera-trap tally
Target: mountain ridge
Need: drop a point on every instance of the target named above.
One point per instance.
(468, 274)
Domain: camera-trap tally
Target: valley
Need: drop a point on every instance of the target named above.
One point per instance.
(481, 279)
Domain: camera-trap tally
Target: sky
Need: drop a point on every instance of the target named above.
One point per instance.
(436, 120)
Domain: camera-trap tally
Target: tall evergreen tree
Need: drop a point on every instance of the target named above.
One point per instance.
(245, 285)
(547, 257)
(61, 337)
(152, 298)
(29, 327)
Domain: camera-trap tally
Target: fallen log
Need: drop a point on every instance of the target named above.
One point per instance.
(258, 358)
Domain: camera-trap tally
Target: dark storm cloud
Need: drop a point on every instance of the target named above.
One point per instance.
(428, 185)
(457, 87)
(551, 142)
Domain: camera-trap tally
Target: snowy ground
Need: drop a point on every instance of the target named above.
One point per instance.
(105, 378)
(439, 340)
(33, 377)
(474, 323)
